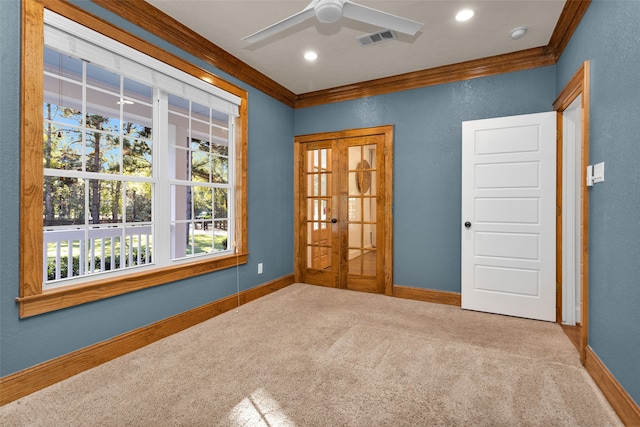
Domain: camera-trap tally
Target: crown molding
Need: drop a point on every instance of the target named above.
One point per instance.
(570, 17)
(568, 21)
(158, 23)
(516, 61)
(162, 25)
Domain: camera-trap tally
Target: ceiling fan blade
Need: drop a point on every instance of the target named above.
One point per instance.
(381, 19)
(283, 25)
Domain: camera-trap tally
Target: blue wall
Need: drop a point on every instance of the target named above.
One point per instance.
(30, 341)
(608, 37)
(427, 190)
(427, 159)
(9, 173)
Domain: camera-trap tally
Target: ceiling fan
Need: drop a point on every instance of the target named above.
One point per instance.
(330, 11)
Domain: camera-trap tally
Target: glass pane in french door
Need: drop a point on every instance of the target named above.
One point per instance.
(362, 205)
(318, 216)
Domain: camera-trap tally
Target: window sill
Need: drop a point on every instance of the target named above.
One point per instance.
(70, 296)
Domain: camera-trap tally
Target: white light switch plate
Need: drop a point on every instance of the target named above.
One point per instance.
(589, 176)
(598, 172)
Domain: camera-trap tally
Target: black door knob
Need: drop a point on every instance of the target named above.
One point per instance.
(467, 224)
(334, 220)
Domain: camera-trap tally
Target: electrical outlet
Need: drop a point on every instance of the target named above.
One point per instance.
(259, 268)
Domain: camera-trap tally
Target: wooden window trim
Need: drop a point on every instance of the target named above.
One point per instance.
(32, 299)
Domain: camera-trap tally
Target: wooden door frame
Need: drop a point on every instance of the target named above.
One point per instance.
(385, 197)
(578, 85)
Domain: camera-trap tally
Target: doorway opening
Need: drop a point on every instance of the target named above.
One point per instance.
(572, 201)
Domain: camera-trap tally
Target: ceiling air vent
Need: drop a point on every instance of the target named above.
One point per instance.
(378, 37)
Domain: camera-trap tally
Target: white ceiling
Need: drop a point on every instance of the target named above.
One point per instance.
(341, 59)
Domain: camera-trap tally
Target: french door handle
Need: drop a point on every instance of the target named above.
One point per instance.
(334, 220)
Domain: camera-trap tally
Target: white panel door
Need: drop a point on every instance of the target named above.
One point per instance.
(508, 215)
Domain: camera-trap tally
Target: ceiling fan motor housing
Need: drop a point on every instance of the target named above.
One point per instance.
(328, 11)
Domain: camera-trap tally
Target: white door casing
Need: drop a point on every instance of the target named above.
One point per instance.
(508, 215)
(571, 212)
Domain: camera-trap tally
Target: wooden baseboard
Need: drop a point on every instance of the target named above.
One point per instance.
(37, 377)
(428, 295)
(624, 406)
(618, 398)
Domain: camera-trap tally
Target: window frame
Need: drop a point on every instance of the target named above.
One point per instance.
(33, 300)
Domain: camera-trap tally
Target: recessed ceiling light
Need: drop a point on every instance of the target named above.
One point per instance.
(464, 15)
(310, 56)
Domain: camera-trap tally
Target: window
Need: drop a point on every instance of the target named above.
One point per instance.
(201, 188)
(99, 175)
(143, 169)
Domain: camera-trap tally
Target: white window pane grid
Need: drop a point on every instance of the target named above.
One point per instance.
(100, 146)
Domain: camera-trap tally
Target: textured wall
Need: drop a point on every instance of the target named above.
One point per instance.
(9, 174)
(608, 37)
(427, 162)
(34, 340)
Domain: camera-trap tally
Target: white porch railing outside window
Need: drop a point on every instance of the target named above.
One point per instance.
(132, 244)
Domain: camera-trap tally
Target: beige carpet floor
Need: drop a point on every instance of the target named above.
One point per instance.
(313, 356)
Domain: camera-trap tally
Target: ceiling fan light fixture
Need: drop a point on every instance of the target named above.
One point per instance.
(328, 11)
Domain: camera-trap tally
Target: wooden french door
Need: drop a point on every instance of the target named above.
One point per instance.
(343, 209)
